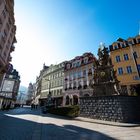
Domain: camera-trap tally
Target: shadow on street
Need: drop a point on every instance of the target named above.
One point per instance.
(12, 128)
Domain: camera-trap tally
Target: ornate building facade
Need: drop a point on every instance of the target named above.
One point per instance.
(38, 84)
(78, 78)
(9, 89)
(7, 34)
(52, 84)
(125, 56)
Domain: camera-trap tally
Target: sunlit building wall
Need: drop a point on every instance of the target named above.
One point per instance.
(125, 55)
(38, 84)
(78, 78)
(52, 81)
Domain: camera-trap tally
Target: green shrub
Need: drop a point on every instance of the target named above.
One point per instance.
(70, 111)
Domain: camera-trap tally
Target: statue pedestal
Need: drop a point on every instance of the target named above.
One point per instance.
(105, 88)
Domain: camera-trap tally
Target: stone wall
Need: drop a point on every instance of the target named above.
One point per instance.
(111, 108)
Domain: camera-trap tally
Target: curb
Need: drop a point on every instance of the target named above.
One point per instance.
(119, 124)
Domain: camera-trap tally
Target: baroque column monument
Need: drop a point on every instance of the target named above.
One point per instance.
(104, 80)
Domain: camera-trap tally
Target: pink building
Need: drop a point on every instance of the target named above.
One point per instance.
(7, 34)
(78, 78)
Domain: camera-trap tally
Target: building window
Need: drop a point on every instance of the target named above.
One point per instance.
(74, 65)
(60, 91)
(85, 60)
(118, 58)
(74, 85)
(123, 46)
(8, 27)
(5, 53)
(4, 14)
(120, 71)
(5, 34)
(84, 72)
(78, 64)
(138, 40)
(0, 47)
(68, 66)
(79, 74)
(135, 55)
(115, 47)
(129, 70)
(9, 21)
(126, 57)
(65, 86)
(0, 22)
(70, 87)
(138, 66)
(90, 72)
(130, 42)
(74, 75)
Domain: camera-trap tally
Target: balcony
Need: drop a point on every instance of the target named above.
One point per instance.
(10, 58)
(65, 79)
(79, 87)
(85, 86)
(65, 89)
(74, 87)
(89, 73)
(12, 48)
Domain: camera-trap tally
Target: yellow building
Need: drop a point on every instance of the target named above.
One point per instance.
(125, 55)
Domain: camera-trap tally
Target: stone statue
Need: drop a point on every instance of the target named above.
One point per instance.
(104, 75)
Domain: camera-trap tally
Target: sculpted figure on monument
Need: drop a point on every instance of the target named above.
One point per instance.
(104, 75)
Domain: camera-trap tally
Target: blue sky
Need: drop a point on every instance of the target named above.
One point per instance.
(52, 31)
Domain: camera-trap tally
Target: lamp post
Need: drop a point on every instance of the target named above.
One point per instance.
(49, 95)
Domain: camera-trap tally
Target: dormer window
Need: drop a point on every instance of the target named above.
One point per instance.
(74, 65)
(78, 63)
(85, 60)
(123, 45)
(115, 47)
(130, 42)
(138, 40)
(68, 66)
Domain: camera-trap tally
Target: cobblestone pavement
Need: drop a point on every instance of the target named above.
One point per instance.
(27, 124)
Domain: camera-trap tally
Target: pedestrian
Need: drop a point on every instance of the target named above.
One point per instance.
(36, 106)
(31, 106)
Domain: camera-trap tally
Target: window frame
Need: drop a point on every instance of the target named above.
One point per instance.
(118, 58)
(126, 57)
(129, 69)
(120, 71)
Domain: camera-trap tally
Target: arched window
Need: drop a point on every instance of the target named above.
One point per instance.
(67, 100)
(75, 99)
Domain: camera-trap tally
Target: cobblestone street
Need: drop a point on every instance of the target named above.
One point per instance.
(27, 124)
